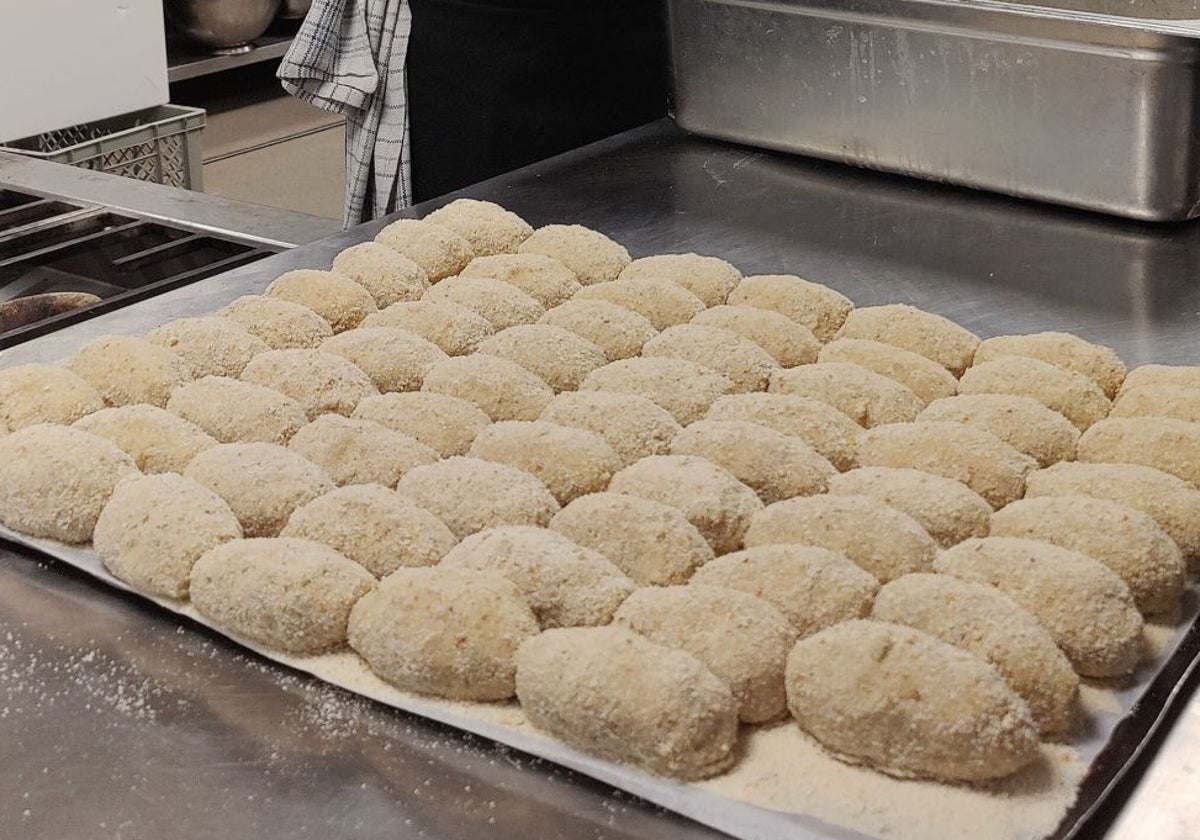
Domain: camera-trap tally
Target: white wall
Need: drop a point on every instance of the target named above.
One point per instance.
(64, 62)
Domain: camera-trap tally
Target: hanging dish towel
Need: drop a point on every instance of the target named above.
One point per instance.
(348, 57)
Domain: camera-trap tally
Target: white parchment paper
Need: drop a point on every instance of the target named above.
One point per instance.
(744, 813)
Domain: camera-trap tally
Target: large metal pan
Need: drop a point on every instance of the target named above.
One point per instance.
(1098, 110)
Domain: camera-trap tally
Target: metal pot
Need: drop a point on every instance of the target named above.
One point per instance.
(294, 9)
(224, 26)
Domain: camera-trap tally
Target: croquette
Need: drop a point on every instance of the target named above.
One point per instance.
(56, 480)
(335, 297)
(1071, 394)
(387, 274)
(773, 465)
(375, 527)
(559, 357)
(742, 639)
(1126, 540)
(321, 382)
(634, 426)
(948, 510)
(488, 227)
(1084, 605)
(1164, 443)
(437, 249)
(819, 308)
(503, 390)
(1022, 422)
(501, 304)
(286, 594)
(908, 704)
(394, 359)
(214, 346)
(711, 279)
(736, 357)
(232, 411)
(592, 256)
(813, 587)
(456, 329)
(925, 378)
(543, 278)
(571, 462)
(356, 451)
(127, 370)
(661, 302)
(1170, 501)
(615, 694)
(711, 498)
(619, 332)
(880, 539)
(157, 440)
(1175, 401)
(155, 527)
(683, 388)
(788, 342)
(38, 393)
(652, 542)
(283, 325)
(261, 482)
(1098, 363)
(932, 336)
(823, 427)
(470, 494)
(566, 585)
(446, 424)
(863, 395)
(981, 620)
(446, 632)
(979, 459)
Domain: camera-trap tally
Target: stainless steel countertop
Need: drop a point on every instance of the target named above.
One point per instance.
(155, 201)
(118, 719)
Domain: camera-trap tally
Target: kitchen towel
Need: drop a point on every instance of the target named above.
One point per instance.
(348, 57)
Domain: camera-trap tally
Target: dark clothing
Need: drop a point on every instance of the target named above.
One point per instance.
(495, 85)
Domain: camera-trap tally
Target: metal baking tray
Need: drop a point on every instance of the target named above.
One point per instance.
(1086, 103)
(1121, 736)
(993, 264)
(1122, 733)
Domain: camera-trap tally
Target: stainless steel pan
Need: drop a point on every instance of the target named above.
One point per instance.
(1098, 110)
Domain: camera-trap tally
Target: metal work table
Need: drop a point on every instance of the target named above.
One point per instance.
(201, 211)
(118, 719)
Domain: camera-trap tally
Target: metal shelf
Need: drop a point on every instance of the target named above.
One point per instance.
(185, 61)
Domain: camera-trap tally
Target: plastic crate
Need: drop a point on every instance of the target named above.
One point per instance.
(160, 144)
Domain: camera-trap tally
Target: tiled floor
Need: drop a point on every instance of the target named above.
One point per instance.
(264, 146)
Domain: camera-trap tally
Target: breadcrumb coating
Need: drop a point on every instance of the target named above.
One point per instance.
(335, 297)
(616, 695)
(446, 632)
(910, 328)
(1083, 604)
(908, 704)
(880, 539)
(592, 256)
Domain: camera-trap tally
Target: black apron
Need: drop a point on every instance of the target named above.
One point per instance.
(495, 85)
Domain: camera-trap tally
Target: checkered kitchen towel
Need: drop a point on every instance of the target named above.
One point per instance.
(348, 57)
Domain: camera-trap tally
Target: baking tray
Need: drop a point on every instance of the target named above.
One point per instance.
(1095, 109)
(877, 238)
(1120, 733)
(1123, 723)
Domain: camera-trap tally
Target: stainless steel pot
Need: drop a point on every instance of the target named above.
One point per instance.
(294, 9)
(224, 26)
